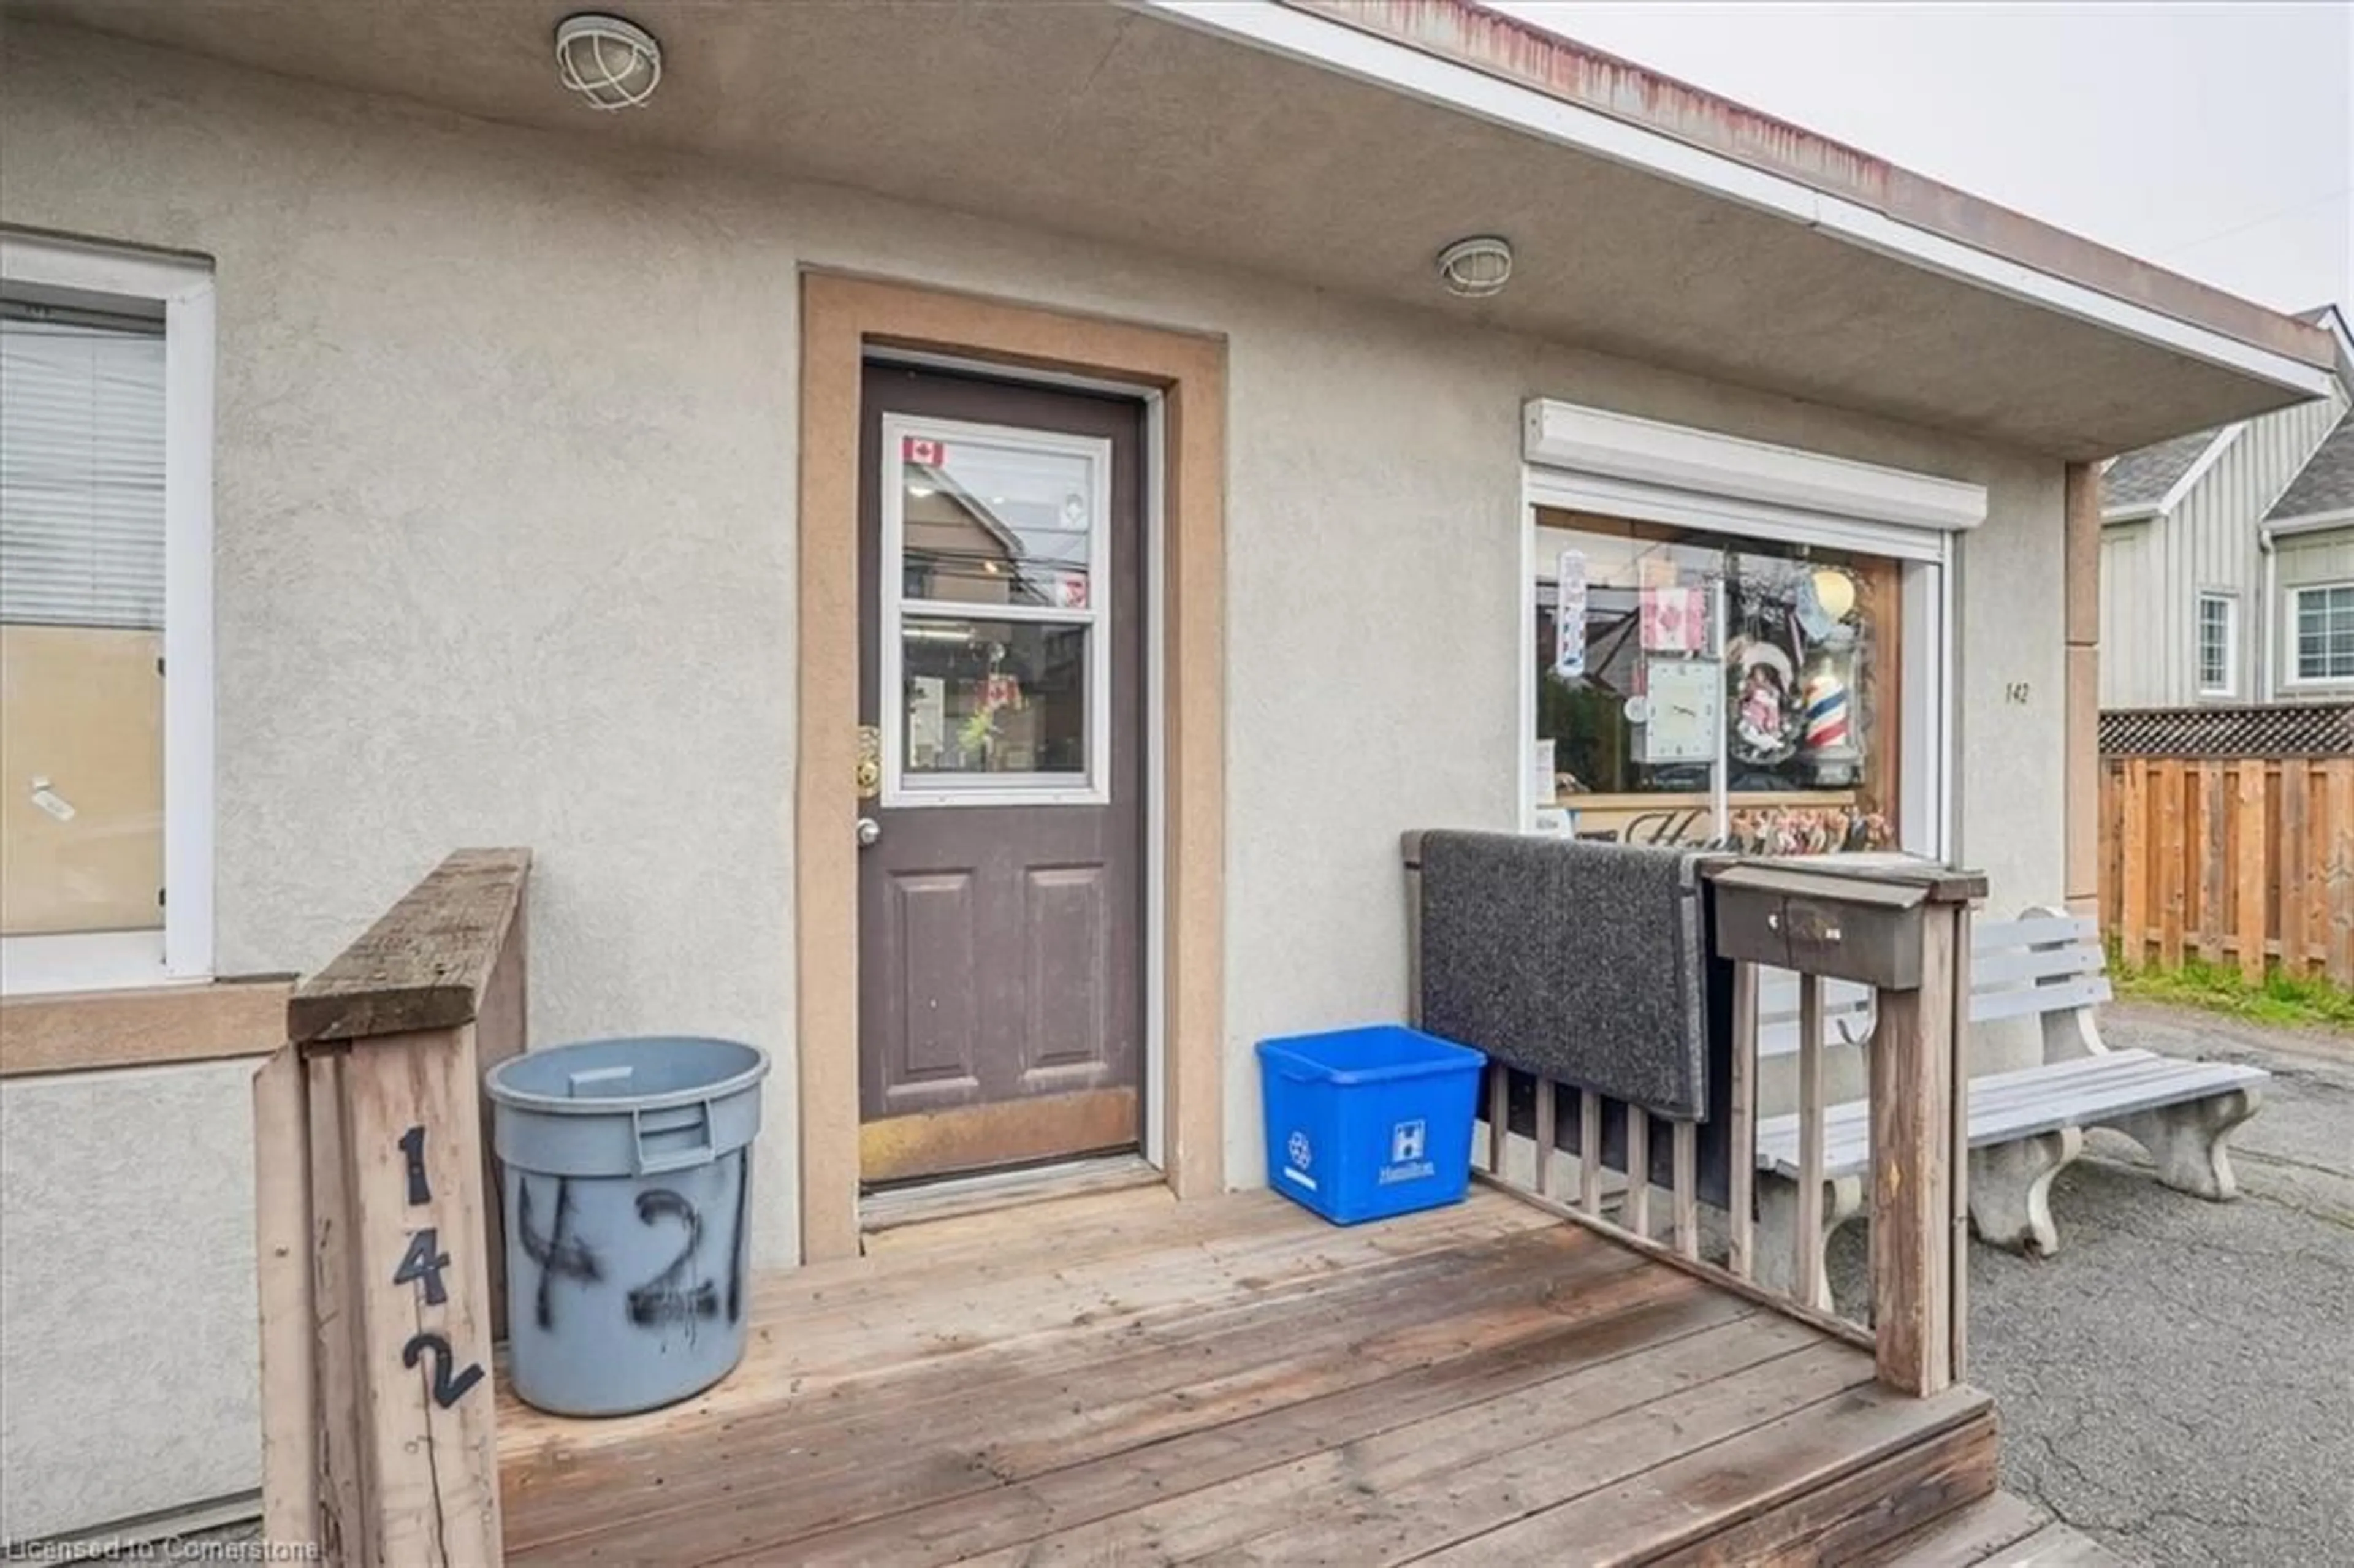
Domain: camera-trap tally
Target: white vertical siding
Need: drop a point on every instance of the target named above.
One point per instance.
(2153, 572)
(2130, 562)
(2317, 558)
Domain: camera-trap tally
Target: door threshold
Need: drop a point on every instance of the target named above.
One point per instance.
(954, 1197)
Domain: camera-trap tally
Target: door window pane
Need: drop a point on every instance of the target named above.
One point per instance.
(81, 612)
(993, 697)
(986, 522)
(1668, 658)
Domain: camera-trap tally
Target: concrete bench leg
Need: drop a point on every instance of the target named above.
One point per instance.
(2010, 1190)
(2187, 1141)
(1778, 1224)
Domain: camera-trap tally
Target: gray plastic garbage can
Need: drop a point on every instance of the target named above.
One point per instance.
(627, 1180)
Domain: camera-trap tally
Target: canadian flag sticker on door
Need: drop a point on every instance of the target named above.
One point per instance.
(924, 449)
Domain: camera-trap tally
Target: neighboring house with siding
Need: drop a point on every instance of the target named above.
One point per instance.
(2309, 542)
(2216, 546)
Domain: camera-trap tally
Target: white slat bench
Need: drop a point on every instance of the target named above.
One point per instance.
(1847, 1012)
(2046, 963)
(2024, 1125)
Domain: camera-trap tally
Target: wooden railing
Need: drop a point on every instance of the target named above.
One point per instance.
(2247, 862)
(1918, 1132)
(378, 1230)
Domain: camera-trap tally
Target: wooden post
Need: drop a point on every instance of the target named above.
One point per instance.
(501, 1029)
(282, 1243)
(1638, 1171)
(1548, 1108)
(1499, 1107)
(1743, 1173)
(1915, 1166)
(1806, 1239)
(1684, 1151)
(379, 1446)
(1902, 929)
(421, 1276)
(1957, 1145)
(337, 1459)
(1589, 1152)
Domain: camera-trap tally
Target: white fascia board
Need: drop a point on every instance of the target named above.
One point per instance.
(1677, 457)
(2334, 318)
(2139, 512)
(2311, 523)
(1338, 47)
(2199, 467)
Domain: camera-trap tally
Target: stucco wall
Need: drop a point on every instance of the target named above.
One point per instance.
(127, 1299)
(505, 504)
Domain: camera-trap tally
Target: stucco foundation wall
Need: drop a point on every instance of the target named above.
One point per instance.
(127, 1326)
(505, 460)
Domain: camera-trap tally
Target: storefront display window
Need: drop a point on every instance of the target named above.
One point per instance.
(1693, 688)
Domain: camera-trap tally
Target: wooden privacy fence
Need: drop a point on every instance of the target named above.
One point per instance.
(2246, 862)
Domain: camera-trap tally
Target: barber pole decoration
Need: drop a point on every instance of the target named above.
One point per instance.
(1828, 741)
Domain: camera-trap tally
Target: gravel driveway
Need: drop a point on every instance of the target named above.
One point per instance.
(2179, 1381)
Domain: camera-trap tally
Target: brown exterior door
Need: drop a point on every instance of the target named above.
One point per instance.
(1000, 918)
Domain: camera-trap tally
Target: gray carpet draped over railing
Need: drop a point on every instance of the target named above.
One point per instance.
(1584, 962)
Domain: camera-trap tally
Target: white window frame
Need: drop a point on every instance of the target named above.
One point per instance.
(2230, 603)
(1598, 460)
(2289, 635)
(901, 790)
(182, 950)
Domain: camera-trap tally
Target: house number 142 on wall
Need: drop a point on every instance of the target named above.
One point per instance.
(422, 1266)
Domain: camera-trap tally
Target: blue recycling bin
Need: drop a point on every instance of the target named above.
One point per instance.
(1365, 1123)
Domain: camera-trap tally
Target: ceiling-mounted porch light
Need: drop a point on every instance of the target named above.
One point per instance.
(611, 63)
(1476, 268)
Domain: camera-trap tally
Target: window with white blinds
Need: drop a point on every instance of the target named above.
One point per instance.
(81, 470)
(106, 625)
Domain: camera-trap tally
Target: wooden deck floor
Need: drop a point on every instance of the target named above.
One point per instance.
(1121, 1379)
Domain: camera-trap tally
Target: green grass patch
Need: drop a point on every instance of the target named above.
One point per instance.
(2302, 1001)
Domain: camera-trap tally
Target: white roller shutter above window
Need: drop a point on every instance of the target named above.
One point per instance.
(81, 473)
